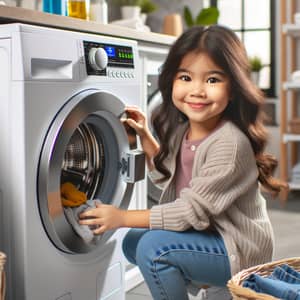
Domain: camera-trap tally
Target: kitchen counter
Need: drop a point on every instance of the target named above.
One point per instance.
(10, 14)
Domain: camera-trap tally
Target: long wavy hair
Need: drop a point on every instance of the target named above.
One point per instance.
(245, 108)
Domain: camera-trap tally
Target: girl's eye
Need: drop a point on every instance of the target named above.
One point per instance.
(213, 80)
(185, 77)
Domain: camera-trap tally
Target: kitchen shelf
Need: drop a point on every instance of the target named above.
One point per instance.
(291, 85)
(290, 137)
(294, 185)
(289, 93)
(291, 29)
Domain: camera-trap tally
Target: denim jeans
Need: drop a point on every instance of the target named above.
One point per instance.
(283, 283)
(286, 273)
(169, 260)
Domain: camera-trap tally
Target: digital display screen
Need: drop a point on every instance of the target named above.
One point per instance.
(111, 51)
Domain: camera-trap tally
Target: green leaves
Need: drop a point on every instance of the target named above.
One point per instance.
(207, 16)
(188, 17)
(128, 2)
(147, 6)
(255, 63)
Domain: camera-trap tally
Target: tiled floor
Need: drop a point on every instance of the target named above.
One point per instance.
(286, 223)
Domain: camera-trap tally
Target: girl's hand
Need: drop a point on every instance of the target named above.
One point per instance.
(106, 216)
(138, 121)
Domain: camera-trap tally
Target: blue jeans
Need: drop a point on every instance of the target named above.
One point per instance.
(283, 283)
(169, 260)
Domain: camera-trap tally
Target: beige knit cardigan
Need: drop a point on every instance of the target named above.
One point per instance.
(223, 192)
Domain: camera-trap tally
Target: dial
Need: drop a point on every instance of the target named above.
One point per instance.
(98, 58)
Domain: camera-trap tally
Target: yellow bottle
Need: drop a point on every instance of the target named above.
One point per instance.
(78, 9)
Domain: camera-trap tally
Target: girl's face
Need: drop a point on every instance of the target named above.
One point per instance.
(201, 90)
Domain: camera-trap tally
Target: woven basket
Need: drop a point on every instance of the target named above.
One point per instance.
(2, 276)
(239, 292)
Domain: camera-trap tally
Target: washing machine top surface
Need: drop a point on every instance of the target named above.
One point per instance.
(47, 54)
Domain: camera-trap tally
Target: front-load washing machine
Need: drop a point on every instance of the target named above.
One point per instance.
(62, 101)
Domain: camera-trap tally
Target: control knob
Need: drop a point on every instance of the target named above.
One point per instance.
(98, 58)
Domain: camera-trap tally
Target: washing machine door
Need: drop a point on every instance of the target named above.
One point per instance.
(89, 147)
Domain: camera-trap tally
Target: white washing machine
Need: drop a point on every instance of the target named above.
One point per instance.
(61, 99)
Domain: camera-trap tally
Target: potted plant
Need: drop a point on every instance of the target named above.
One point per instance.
(130, 8)
(147, 7)
(207, 16)
(255, 65)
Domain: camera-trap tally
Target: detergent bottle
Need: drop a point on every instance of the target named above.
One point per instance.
(58, 7)
(79, 9)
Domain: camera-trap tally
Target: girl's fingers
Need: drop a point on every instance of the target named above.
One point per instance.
(92, 213)
(132, 123)
(97, 204)
(135, 111)
(93, 221)
(100, 230)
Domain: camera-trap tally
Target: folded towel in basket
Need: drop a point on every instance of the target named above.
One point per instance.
(84, 231)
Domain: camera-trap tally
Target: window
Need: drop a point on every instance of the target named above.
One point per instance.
(253, 21)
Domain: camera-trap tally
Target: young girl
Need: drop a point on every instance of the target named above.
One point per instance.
(212, 219)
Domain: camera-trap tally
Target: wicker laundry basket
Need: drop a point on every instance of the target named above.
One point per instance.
(238, 292)
(2, 276)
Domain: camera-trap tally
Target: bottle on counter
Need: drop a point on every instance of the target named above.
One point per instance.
(99, 11)
(79, 9)
(57, 7)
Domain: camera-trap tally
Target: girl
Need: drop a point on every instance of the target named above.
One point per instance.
(212, 219)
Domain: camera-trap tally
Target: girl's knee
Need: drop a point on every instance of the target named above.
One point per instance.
(130, 243)
(126, 246)
(147, 248)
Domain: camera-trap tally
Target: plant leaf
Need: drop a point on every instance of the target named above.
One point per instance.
(188, 18)
(208, 16)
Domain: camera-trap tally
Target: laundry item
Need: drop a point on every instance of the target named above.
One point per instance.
(283, 283)
(71, 196)
(84, 231)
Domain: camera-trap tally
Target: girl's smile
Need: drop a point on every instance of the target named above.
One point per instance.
(197, 105)
(201, 91)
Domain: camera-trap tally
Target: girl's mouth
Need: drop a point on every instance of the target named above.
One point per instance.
(197, 105)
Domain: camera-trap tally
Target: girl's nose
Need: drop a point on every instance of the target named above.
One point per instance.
(198, 90)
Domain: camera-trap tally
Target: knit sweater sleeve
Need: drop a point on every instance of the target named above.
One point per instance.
(225, 169)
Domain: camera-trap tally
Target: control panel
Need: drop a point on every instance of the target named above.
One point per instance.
(108, 59)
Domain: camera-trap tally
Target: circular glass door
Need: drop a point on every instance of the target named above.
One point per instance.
(83, 151)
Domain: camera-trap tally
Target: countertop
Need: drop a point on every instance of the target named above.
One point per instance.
(9, 14)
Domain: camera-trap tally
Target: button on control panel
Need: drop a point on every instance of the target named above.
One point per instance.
(120, 74)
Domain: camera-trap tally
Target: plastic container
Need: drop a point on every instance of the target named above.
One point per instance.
(79, 9)
(58, 7)
(99, 11)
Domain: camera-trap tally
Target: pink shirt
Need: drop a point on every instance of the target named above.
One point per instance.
(185, 161)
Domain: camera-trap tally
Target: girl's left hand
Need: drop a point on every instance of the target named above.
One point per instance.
(106, 216)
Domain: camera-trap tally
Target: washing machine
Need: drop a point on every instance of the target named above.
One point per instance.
(62, 101)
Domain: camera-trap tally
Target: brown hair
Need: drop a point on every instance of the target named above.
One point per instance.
(244, 109)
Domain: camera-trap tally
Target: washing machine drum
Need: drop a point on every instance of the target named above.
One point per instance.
(92, 153)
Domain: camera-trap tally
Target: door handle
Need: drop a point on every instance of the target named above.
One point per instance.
(132, 166)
